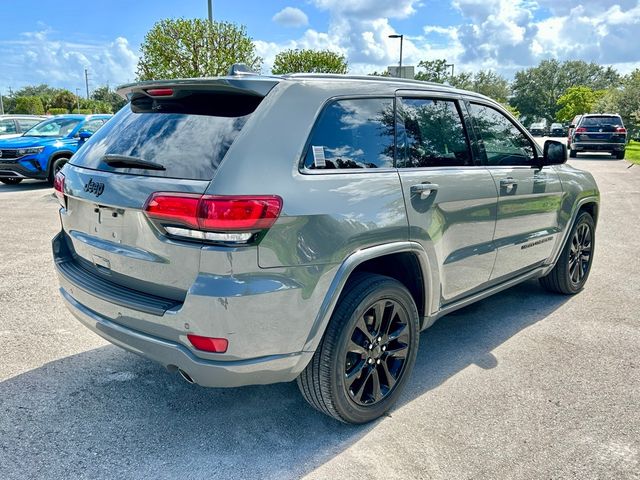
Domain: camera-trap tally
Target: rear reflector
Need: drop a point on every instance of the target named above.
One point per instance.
(201, 214)
(160, 92)
(58, 186)
(209, 344)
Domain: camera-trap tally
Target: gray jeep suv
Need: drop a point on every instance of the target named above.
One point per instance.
(250, 230)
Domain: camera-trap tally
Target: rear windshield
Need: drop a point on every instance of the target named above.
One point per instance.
(603, 120)
(188, 136)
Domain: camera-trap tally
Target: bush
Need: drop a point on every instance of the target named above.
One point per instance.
(83, 111)
(57, 111)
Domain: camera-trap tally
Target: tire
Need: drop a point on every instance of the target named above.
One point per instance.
(573, 153)
(620, 155)
(348, 358)
(11, 181)
(570, 274)
(56, 166)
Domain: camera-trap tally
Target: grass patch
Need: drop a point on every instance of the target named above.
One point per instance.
(633, 152)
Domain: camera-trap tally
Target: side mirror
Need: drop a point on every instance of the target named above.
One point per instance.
(572, 125)
(554, 153)
(84, 134)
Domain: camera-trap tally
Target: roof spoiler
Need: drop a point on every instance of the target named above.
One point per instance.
(241, 81)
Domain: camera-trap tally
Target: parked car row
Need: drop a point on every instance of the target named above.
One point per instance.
(40, 151)
(539, 129)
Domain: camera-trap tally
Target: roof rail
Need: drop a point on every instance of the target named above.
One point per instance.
(374, 78)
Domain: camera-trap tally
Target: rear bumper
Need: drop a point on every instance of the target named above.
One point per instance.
(208, 373)
(597, 147)
(266, 328)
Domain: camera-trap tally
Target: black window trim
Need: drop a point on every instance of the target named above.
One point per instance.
(536, 148)
(426, 95)
(343, 171)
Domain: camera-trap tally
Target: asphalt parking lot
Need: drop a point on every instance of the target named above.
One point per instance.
(521, 385)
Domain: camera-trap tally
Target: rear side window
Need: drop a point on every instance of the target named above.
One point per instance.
(434, 134)
(353, 134)
(188, 136)
(7, 126)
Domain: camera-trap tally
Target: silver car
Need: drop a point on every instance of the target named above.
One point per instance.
(251, 230)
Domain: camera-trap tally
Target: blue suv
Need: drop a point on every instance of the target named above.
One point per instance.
(44, 149)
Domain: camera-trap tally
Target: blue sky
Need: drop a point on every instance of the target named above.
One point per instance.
(53, 42)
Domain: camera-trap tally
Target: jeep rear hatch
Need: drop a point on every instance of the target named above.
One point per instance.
(134, 216)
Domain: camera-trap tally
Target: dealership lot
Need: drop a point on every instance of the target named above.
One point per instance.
(521, 385)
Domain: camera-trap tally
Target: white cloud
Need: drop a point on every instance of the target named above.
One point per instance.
(41, 57)
(291, 17)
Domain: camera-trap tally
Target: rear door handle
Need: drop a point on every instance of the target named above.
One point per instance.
(424, 189)
(508, 184)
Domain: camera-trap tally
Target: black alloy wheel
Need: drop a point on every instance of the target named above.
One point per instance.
(580, 253)
(367, 352)
(571, 271)
(377, 352)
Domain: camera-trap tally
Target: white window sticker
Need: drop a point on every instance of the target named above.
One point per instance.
(318, 157)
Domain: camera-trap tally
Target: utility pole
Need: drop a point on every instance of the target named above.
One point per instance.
(1, 105)
(86, 81)
(78, 98)
(210, 11)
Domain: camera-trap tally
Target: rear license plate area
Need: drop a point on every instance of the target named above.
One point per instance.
(108, 223)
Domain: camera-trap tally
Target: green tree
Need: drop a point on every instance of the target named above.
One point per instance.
(536, 90)
(64, 99)
(309, 61)
(183, 48)
(29, 104)
(489, 83)
(434, 71)
(104, 94)
(576, 101)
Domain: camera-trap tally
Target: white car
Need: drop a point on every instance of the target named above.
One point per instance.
(15, 125)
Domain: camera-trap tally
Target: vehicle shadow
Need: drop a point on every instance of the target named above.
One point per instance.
(106, 410)
(25, 186)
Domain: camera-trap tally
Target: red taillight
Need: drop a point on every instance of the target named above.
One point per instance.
(160, 92)
(621, 130)
(178, 208)
(238, 213)
(209, 344)
(210, 213)
(581, 130)
(58, 186)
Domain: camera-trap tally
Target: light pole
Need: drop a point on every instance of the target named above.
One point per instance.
(401, 37)
(1, 105)
(210, 12)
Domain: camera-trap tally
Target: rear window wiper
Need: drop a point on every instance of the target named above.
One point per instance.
(125, 161)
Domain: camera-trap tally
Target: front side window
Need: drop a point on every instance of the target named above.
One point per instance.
(353, 134)
(434, 134)
(56, 127)
(504, 143)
